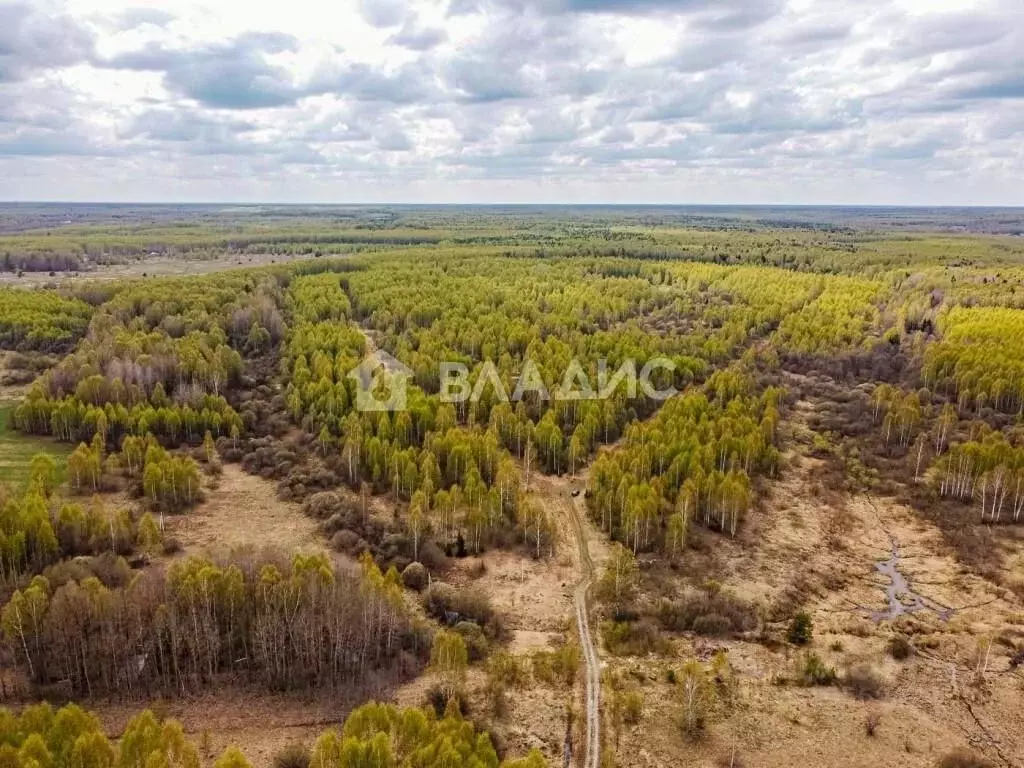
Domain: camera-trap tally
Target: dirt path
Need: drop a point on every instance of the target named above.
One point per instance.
(557, 493)
(592, 755)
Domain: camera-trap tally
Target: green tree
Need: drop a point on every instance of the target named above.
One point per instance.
(449, 659)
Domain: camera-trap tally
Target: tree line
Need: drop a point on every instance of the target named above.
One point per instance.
(988, 470)
(37, 531)
(69, 419)
(378, 735)
(159, 357)
(384, 735)
(980, 358)
(41, 320)
(72, 737)
(283, 624)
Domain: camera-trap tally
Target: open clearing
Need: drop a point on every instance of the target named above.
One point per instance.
(243, 511)
(931, 704)
(151, 266)
(259, 723)
(17, 450)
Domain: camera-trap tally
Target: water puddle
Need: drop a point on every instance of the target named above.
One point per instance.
(901, 598)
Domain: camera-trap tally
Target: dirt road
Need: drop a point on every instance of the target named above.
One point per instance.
(556, 493)
(592, 752)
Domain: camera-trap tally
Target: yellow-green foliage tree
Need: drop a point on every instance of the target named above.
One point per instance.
(980, 357)
(449, 659)
(377, 735)
(35, 532)
(40, 320)
(71, 737)
(384, 735)
(691, 462)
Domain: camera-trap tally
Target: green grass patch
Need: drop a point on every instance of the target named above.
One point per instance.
(17, 450)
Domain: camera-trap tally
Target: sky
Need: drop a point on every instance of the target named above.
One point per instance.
(888, 102)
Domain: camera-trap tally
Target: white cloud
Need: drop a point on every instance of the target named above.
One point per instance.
(806, 101)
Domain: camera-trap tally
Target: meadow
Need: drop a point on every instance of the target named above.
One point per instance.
(17, 450)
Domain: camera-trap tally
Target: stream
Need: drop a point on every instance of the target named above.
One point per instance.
(902, 599)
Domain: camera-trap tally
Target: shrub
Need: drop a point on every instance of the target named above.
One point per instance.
(349, 543)
(900, 648)
(550, 667)
(722, 613)
(450, 606)
(439, 700)
(292, 756)
(171, 545)
(267, 457)
(497, 695)
(864, 682)
(299, 483)
(964, 758)
(712, 624)
(504, 671)
(415, 577)
(432, 557)
(814, 671)
(326, 504)
(871, 722)
(801, 629)
(476, 643)
(507, 668)
(632, 707)
(111, 570)
(632, 638)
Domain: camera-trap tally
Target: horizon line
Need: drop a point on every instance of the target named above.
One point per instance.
(909, 206)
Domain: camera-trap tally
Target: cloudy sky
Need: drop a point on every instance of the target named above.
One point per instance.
(674, 101)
